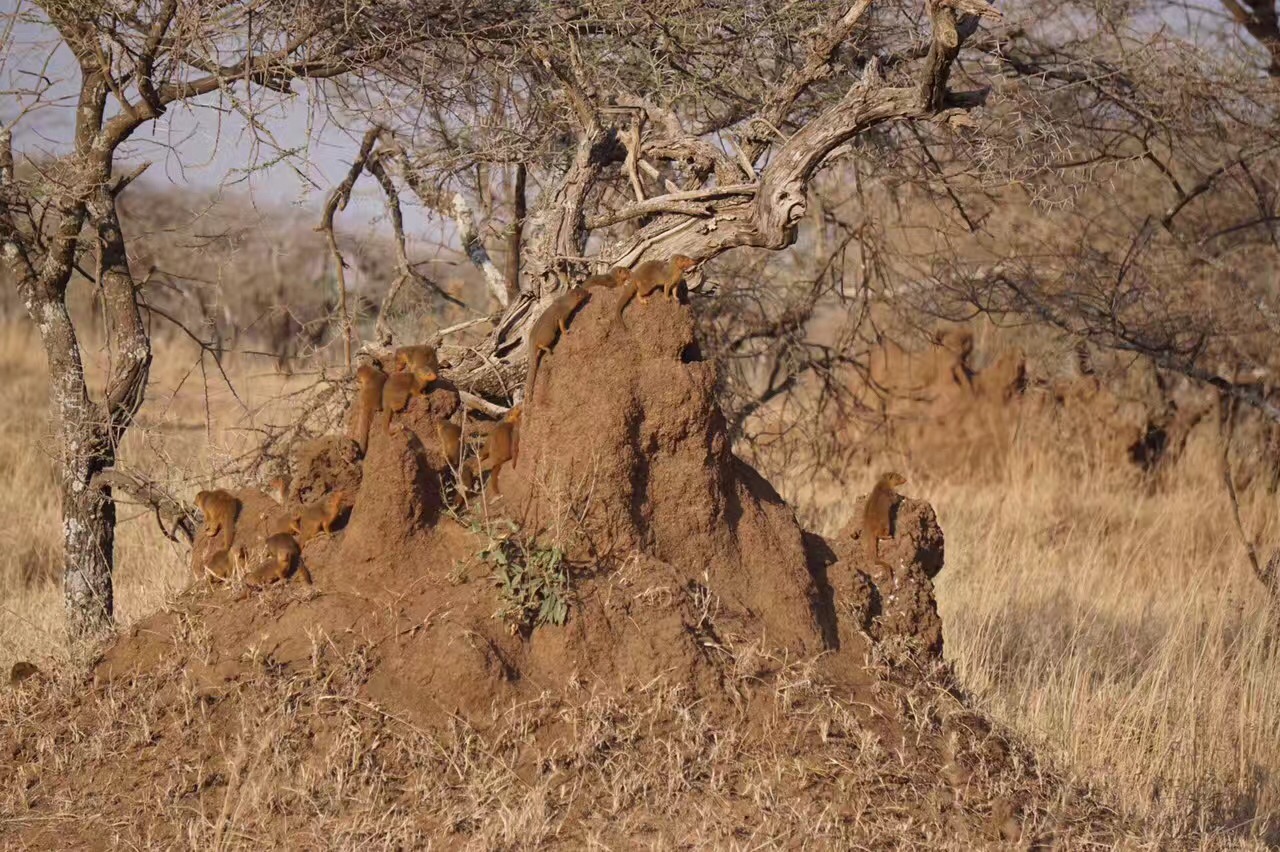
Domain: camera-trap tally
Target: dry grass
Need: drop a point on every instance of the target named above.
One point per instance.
(294, 758)
(1126, 632)
(1120, 631)
(191, 427)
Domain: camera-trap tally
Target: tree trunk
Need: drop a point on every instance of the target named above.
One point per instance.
(86, 434)
(88, 515)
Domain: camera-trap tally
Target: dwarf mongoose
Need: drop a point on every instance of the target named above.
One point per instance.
(21, 671)
(285, 558)
(652, 275)
(957, 348)
(615, 277)
(398, 389)
(278, 489)
(1005, 377)
(502, 445)
(450, 436)
(220, 510)
(419, 359)
(221, 565)
(368, 400)
(876, 515)
(319, 517)
(549, 327)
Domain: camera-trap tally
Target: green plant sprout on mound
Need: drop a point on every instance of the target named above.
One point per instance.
(532, 581)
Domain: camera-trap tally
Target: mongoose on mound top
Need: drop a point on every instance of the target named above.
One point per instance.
(319, 517)
(368, 400)
(615, 277)
(220, 509)
(876, 515)
(284, 561)
(652, 275)
(502, 445)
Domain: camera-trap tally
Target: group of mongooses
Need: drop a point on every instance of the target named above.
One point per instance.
(283, 553)
(415, 368)
(641, 282)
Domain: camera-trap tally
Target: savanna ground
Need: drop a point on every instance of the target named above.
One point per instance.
(1115, 627)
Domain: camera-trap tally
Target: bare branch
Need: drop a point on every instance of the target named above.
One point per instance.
(338, 199)
(816, 67)
(520, 203)
(149, 493)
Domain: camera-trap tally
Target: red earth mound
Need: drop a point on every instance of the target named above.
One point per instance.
(635, 643)
(674, 550)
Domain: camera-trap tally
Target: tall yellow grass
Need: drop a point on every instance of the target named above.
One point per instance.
(1120, 630)
(191, 426)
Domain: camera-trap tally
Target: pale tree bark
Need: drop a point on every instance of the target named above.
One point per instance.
(86, 433)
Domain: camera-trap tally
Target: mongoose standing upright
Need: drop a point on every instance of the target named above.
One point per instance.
(877, 513)
(652, 275)
(284, 560)
(615, 277)
(450, 436)
(319, 517)
(220, 509)
(368, 401)
(548, 328)
(502, 445)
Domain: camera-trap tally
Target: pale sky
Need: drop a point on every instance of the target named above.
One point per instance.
(201, 144)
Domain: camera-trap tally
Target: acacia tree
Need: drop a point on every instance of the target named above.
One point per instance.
(646, 130)
(58, 211)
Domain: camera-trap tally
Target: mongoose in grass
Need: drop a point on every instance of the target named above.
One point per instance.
(319, 517)
(652, 275)
(284, 560)
(957, 347)
(419, 359)
(876, 515)
(221, 565)
(549, 327)
(1005, 378)
(368, 400)
(398, 389)
(21, 671)
(502, 445)
(220, 510)
(615, 277)
(450, 436)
